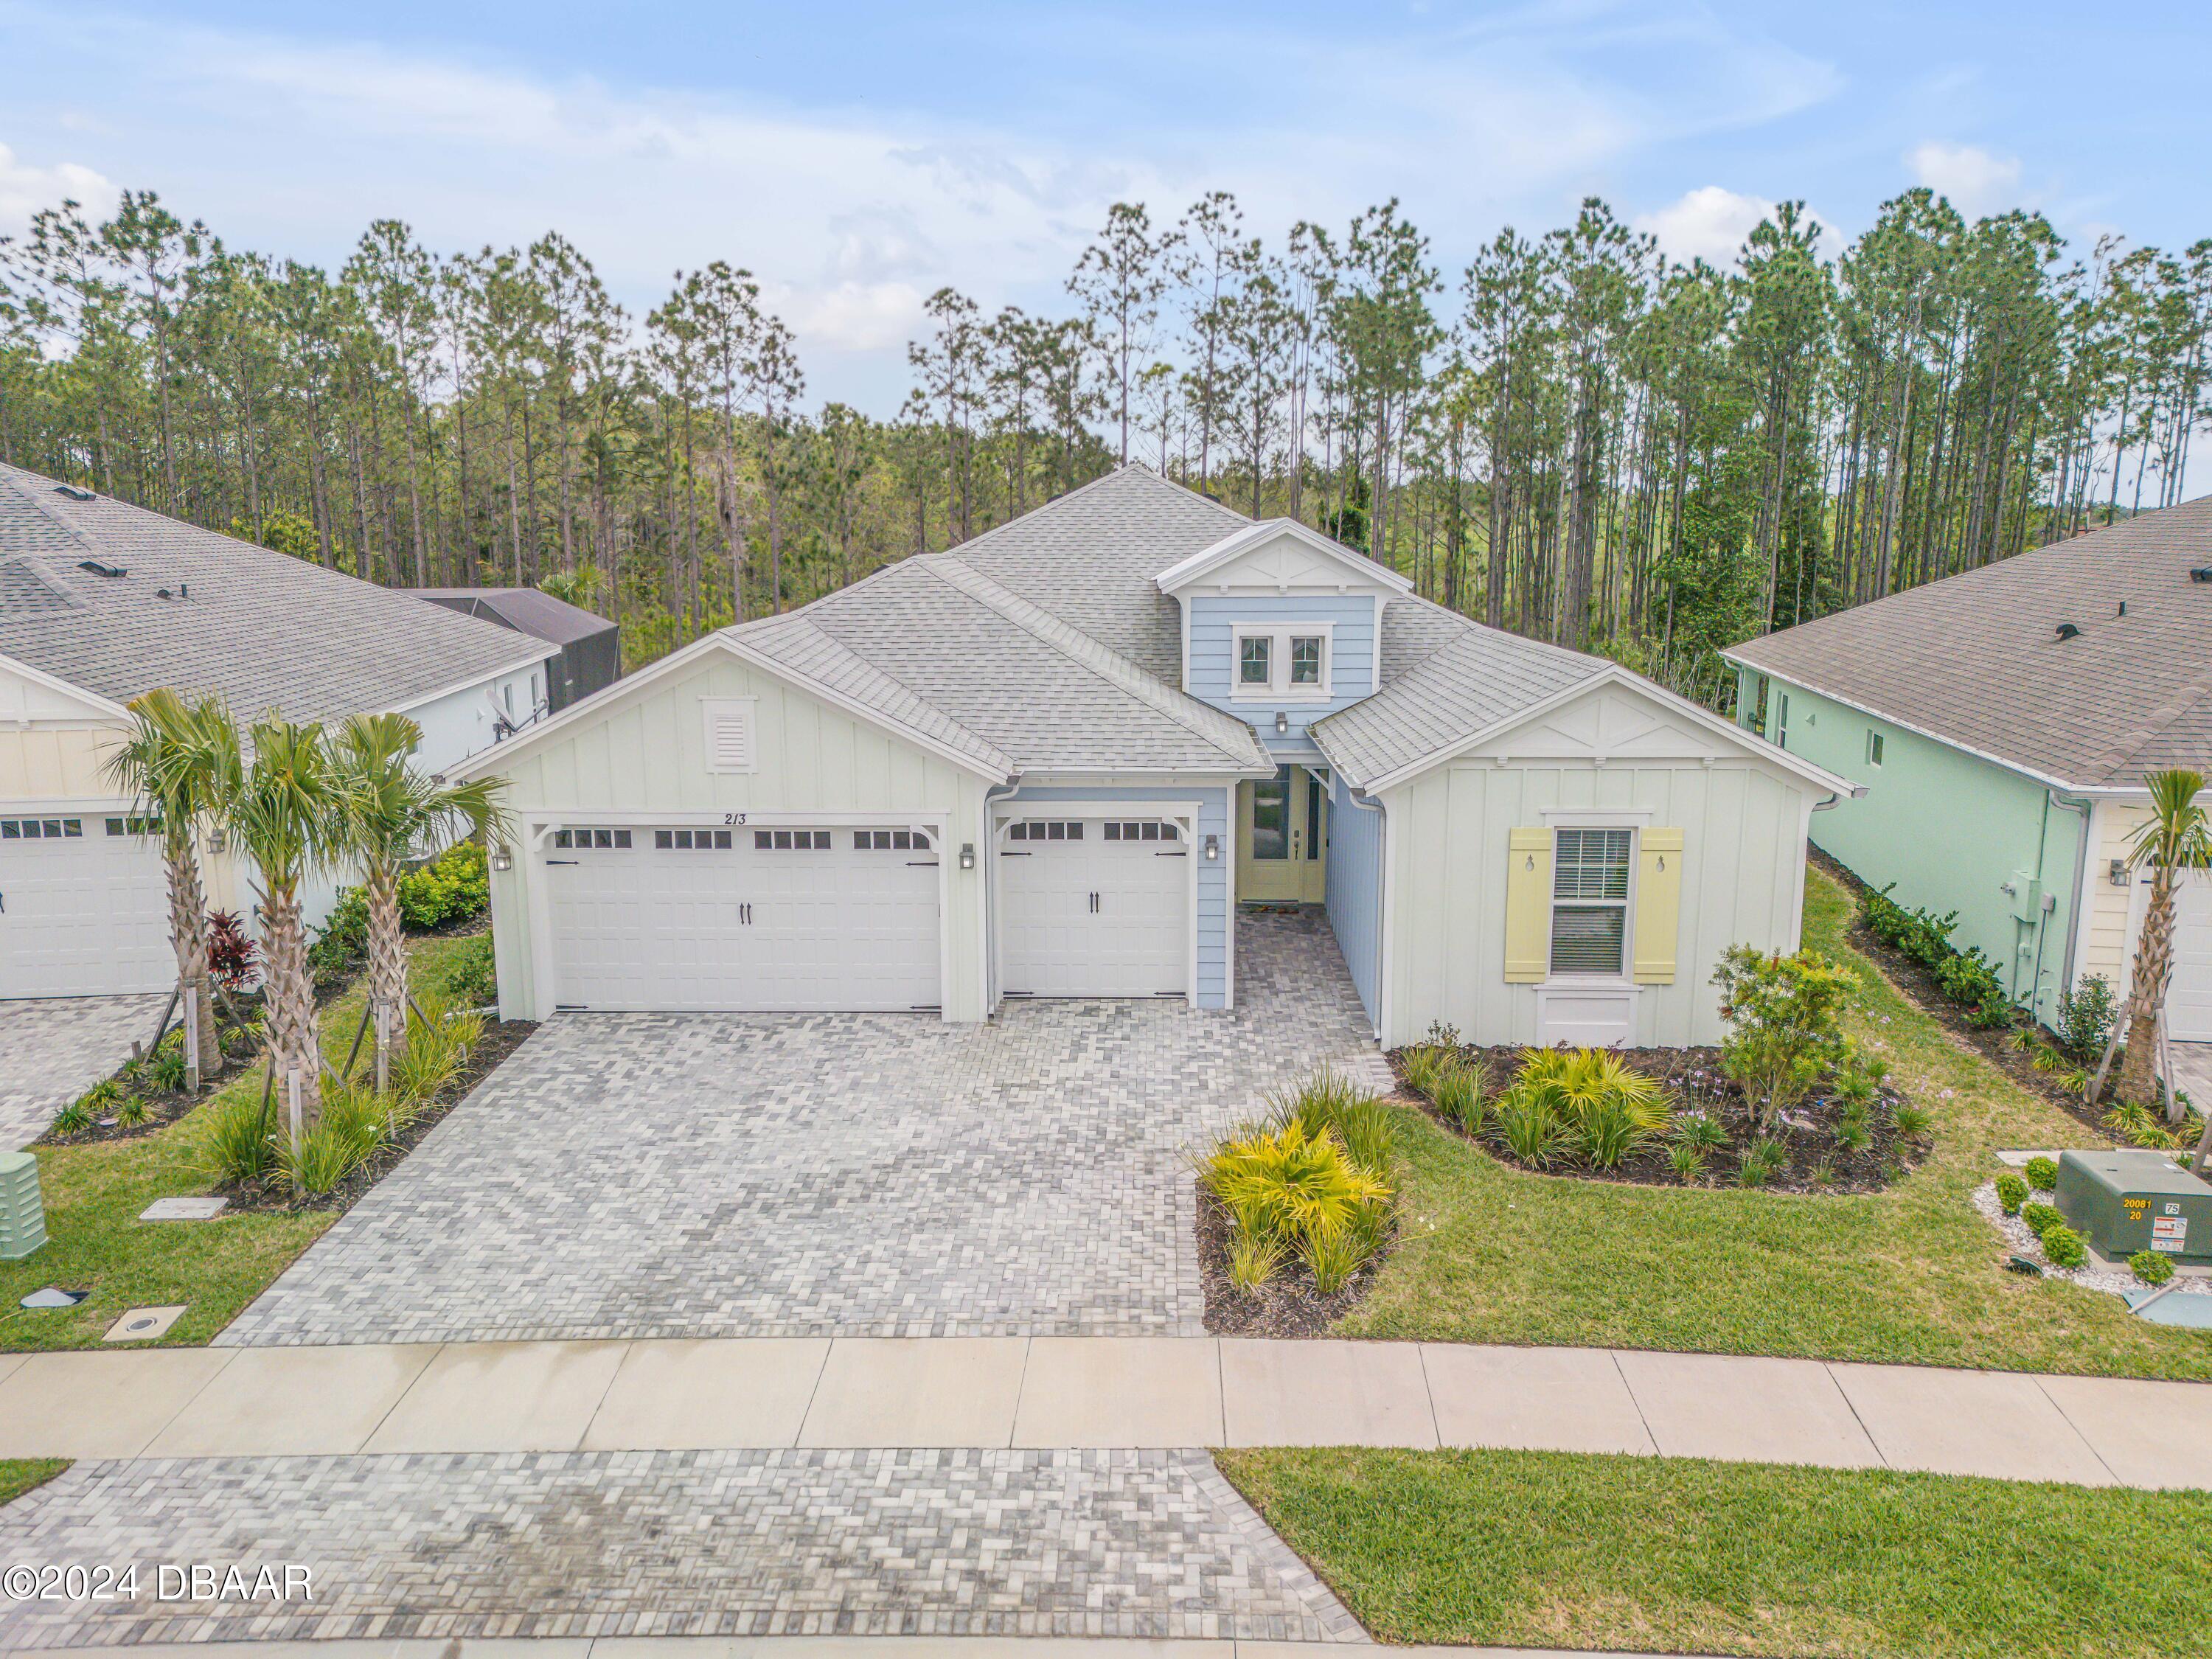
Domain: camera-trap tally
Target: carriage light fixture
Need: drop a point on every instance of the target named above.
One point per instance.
(1213, 849)
(1282, 721)
(502, 860)
(967, 855)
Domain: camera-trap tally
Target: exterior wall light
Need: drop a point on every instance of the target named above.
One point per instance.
(1213, 849)
(967, 855)
(1282, 721)
(502, 860)
(2119, 873)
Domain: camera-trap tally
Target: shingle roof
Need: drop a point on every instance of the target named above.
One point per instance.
(1471, 679)
(526, 609)
(264, 629)
(1975, 660)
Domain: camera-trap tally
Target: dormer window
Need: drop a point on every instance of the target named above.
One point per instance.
(1282, 662)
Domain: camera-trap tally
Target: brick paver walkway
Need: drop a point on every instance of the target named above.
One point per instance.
(704, 1175)
(763, 1543)
(54, 1048)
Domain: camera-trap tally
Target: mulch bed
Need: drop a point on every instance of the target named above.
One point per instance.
(1813, 1159)
(163, 1106)
(501, 1038)
(1919, 987)
(1287, 1304)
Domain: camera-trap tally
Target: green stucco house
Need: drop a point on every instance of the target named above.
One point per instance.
(2001, 722)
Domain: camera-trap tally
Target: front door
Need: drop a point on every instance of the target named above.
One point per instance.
(1282, 833)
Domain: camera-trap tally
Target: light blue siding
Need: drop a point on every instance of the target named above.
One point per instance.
(1210, 620)
(1212, 877)
(1355, 889)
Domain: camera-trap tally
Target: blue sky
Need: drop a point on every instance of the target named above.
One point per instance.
(856, 157)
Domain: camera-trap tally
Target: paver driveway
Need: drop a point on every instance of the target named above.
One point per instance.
(54, 1048)
(726, 1175)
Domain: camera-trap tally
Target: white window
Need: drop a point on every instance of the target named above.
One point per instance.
(1874, 749)
(729, 734)
(1782, 723)
(1283, 662)
(1589, 901)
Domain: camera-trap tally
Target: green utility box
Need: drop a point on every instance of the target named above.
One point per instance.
(22, 1215)
(2123, 1202)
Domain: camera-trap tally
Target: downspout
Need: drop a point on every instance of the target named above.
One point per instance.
(987, 866)
(2073, 909)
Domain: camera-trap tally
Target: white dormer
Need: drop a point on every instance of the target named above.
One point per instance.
(1279, 556)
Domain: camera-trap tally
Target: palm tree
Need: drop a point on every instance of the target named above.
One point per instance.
(170, 765)
(2177, 837)
(282, 810)
(388, 813)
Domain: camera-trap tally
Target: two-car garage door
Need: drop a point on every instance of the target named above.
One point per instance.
(795, 918)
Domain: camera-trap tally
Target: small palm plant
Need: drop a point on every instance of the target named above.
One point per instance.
(282, 809)
(170, 764)
(2176, 838)
(388, 812)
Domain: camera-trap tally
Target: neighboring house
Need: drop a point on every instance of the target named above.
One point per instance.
(590, 655)
(100, 601)
(2002, 721)
(1052, 761)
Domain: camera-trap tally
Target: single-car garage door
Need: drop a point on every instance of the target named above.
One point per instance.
(2189, 993)
(1094, 908)
(790, 919)
(84, 907)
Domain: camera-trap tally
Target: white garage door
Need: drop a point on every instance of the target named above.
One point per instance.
(1093, 907)
(84, 907)
(2189, 995)
(786, 920)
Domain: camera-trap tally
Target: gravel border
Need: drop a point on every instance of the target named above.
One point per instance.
(2023, 1241)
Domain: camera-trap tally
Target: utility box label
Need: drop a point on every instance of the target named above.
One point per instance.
(2169, 1233)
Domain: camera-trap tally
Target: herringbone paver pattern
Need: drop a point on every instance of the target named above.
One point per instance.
(769, 1543)
(728, 1174)
(54, 1048)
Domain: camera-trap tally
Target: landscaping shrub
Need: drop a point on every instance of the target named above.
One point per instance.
(1329, 1103)
(2064, 1246)
(2086, 1014)
(2140, 1126)
(1332, 1258)
(1919, 934)
(1785, 1029)
(1423, 1066)
(1459, 1097)
(1253, 1261)
(2012, 1193)
(1912, 1120)
(234, 1146)
(1853, 1133)
(455, 886)
(1606, 1132)
(1686, 1159)
(165, 1067)
(1531, 1127)
(1969, 979)
(429, 1057)
(73, 1119)
(1761, 1163)
(471, 979)
(1707, 1135)
(2152, 1267)
(340, 1142)
(233, 956)
(132, 1111)
(2040, 1218)
(1580, 1083)
(1287, 1184)
(343, 939)
(2043, 1173)
(100, 1097)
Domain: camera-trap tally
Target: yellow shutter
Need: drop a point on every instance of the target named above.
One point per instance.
(1658, 904)
(1529, 905)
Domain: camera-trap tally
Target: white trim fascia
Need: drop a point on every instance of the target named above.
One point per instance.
(75, 806)
(107, 706)
(1362, 569)
(594, 706)
(1597, 817)
(1754, 746)
(524, 667)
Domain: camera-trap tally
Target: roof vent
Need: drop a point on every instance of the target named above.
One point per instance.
(2202, 573)
(74, 493)
(2067, 631)
(100, 569)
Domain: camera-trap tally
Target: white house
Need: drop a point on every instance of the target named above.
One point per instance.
(1053, 761)
(100, 601)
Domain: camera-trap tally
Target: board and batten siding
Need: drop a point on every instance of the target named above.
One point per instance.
(1213, 969)
(645, 753)
(1211, 620)
(1354, 897)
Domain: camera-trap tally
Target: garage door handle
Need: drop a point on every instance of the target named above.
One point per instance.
(561, 861)
(1171, 855)
(921, 864)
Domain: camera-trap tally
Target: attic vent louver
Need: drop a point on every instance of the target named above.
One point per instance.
(100, 569)
(74, 493)
(2067, 631)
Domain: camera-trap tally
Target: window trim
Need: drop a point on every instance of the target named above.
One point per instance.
(1875, 747)
(1279, 688)
(1625, 975)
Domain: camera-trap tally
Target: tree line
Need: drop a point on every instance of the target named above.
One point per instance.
(1576, 437)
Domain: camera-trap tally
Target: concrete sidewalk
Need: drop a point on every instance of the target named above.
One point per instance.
(1083, 1393)
(795, 1647)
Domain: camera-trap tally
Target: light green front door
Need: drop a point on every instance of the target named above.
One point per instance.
(1282, 830)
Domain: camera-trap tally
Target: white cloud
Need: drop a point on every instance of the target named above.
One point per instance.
(852, 316)
(24, 189)
(1708, 224)
(1978, 181)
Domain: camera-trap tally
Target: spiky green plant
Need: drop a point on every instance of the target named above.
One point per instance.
(1285, 1183)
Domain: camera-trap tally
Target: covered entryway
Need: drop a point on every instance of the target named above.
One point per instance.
(789, 919)
(1094, 907)
(1282, 838)
(2189, 994)
(83, 906)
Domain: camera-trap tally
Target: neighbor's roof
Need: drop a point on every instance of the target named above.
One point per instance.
(526, 610)
(263, 628)
(1976, 661)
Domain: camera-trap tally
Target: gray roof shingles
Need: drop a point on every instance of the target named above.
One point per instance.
(1975, 660)
(264, 629)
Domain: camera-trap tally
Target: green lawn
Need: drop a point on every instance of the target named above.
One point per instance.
(95, 1242)
(1495, 1254)
(1555, 1549)
(20, 1475)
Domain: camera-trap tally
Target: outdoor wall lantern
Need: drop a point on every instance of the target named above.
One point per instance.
(1213, 849)
(2119, 873)
(967, 855)
(1282, 721)
(502, 860)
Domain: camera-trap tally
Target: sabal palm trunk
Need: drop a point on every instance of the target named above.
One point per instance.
(188, 934)
(387, 958)
(2138, 1079)
(294, 1042)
